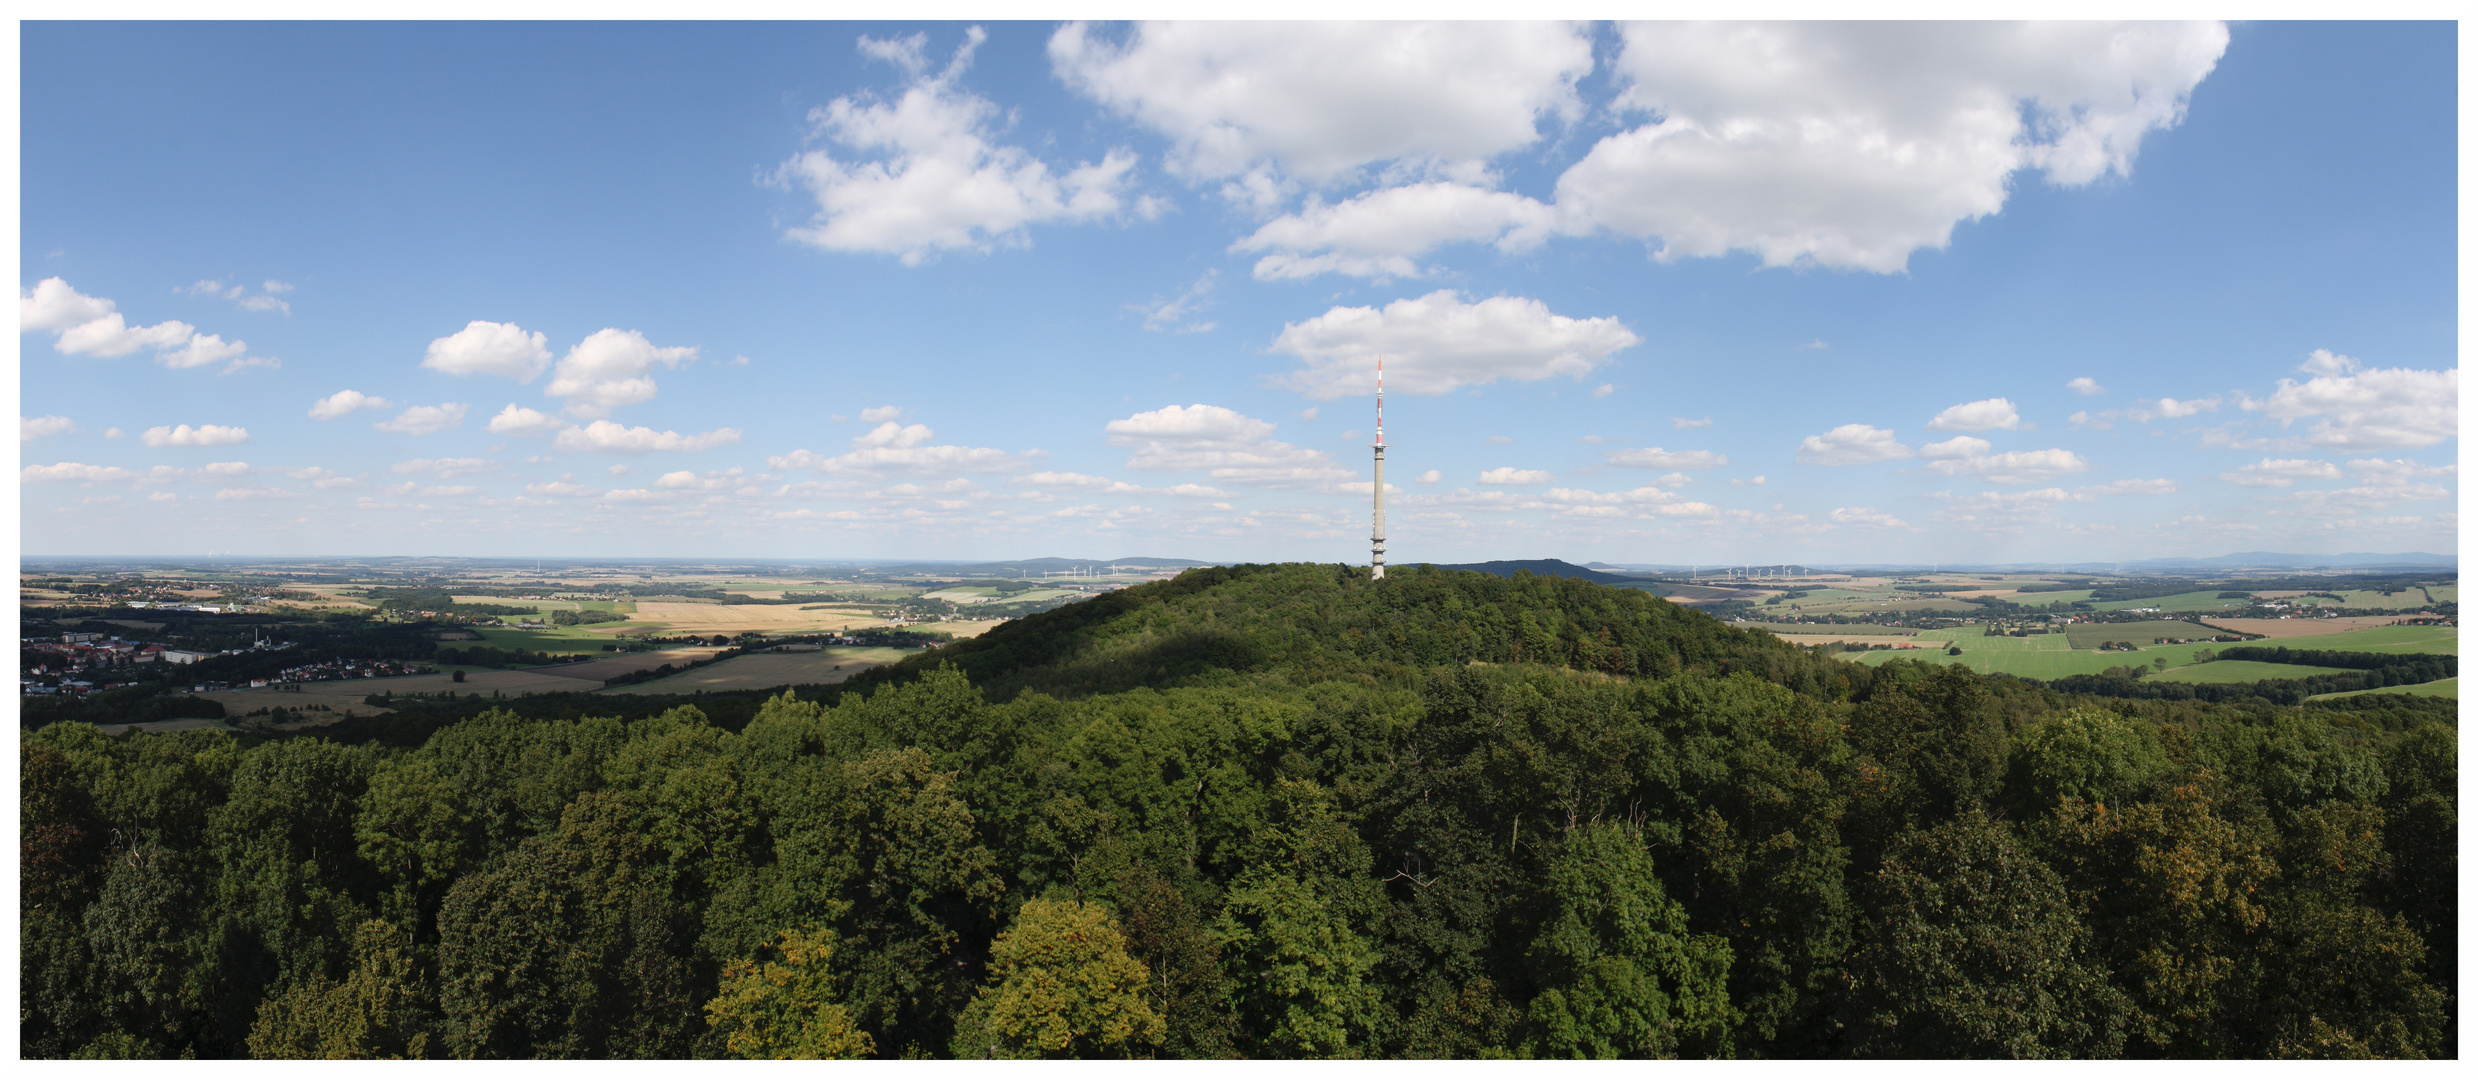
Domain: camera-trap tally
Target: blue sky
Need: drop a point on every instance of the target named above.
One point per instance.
(1650, 293)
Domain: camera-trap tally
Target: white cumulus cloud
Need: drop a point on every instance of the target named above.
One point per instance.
(610, 369)
(2010, 467)
(2371, 408)
(1989, 415)
(606, 437)
(73, 472)
(2281, 472)
(44, 427)
(1318, 100)
(344, 402)
(1657, 458)
(1852, 444)
(202, 435)
(2086, 386)
(939, 182)
(2169, 408)
(90, 326)
(426, 419)
(1380, 233)
(518, 420)
(1511, 475)
(2126, 487)
(443, 468)
(490, 348)
(1851, 145)
(1867, 518)
(1223, 443)
(201, 350)
(2399, 469)
(1436, 344)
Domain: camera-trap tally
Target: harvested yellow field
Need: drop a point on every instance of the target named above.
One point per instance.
(740, 618)
(767, 670)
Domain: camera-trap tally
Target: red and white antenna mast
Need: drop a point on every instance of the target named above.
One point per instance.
(1376, 536)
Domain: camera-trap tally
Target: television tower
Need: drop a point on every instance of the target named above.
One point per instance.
(1376, 537)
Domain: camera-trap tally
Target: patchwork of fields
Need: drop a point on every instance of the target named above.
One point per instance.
(2055, 656)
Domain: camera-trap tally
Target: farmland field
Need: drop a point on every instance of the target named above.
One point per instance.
(1973, 639)
(1856, 630)
(345, 695)
(690, 618)
(2440, 640)
(767, 670)
(2407, 600)
(2042, 599)
(2205, 600)
(2298, 628)
(2241, 671)
(503, 601)
(593, 672)
(556, 640)
(2448, 688)
(2018, 656)
(2090, 635)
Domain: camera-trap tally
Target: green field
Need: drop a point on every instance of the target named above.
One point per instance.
(537, 606)
(2038, 599)
(2206, 600)
(2038, 657)
(1972, 639)
(2450, 688)
(2241, 671)
(2406, 600)
(2440, 640)
(2090, 635)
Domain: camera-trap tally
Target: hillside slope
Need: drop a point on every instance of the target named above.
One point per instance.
(1316, 621)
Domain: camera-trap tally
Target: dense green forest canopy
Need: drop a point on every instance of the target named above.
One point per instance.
(1274, 811)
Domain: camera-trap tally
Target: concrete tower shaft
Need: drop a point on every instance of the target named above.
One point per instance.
(1376, 536)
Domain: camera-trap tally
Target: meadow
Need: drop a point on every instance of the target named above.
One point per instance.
(2090, 635)
(2043, 656)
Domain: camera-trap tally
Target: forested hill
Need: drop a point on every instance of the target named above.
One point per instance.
(1306, 623)
(1272, 812)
